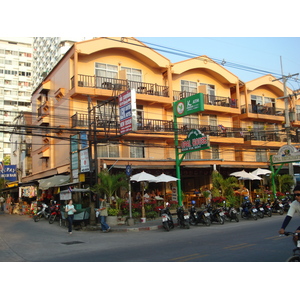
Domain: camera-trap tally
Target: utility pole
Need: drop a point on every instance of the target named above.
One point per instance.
(286, 111)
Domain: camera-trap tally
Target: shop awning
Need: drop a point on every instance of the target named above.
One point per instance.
(53, 181)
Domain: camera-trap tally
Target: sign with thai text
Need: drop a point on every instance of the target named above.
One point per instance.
(286, 154)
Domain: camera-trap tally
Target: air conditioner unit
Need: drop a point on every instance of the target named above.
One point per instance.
(80, 83)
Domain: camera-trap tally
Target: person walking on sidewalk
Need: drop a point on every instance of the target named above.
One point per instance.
(70, 209)
(103, 214)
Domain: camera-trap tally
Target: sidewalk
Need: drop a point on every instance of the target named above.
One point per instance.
(154, 224)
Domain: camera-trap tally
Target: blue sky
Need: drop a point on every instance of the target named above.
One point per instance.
(262, 53)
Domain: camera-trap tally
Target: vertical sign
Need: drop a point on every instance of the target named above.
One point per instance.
(127, 111)
(84, 161)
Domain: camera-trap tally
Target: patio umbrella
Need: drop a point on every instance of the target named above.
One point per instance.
(260, 171)
(165, 178)
(143, 177)
(243, 175)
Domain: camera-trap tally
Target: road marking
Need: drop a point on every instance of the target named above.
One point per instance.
(276, 237)
(239, 246)
(188, 257)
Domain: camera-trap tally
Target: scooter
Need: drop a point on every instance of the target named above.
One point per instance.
(216, 214)
(230, 213)
(248, 210)
(183, 218)
(260, 209)
(286, 201)
(277, 207)
(44, 212)
(200, 216)
(267, 209)
(54, 213)
(166, 218)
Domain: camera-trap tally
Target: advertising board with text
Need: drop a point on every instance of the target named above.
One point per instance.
(127, 111)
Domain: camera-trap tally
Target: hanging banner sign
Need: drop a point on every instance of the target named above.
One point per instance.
(127, 111)
(189, 105)
(195, 141)
(84, 161)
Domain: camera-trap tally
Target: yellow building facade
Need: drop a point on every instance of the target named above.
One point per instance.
(243, 120)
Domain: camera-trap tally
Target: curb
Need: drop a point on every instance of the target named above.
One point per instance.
(136, 229)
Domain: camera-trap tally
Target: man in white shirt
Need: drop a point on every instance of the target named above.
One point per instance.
(294, 207)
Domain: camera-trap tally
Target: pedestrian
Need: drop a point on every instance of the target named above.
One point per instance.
(103, 214)
(294, 207)
(2, 203)
(70, 209)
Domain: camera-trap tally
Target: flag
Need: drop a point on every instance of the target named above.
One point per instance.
(222, 127)
(70, 190)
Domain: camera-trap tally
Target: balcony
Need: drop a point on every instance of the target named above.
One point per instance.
(208, 99)
(263, 110)
(154, 125)
(114, 84)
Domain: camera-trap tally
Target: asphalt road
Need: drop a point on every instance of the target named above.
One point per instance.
(22, 240)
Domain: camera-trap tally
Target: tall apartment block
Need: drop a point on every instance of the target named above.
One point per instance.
(15, 85)
(47, 51)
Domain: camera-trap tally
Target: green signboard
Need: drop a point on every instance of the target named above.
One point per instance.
(189, 105)
(195, 141)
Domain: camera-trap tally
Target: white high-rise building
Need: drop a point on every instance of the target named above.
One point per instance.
(15, 85)
(47, 51)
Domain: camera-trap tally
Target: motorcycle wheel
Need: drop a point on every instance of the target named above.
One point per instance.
(281, 211)
(186, 225)
(207, 221)
(254, 217)
(261, 215)
(220, 220)
(166, 226)
(294, 258)
(36, 218)
(269, 214)
(243, 215)
(52, 219)
(237, 219)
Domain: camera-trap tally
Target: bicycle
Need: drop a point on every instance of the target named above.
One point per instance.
(296, 252)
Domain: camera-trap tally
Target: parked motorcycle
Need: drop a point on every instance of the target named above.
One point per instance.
(216, 214)
(199, 217)
(277, 207)
(55, 213)
(267, 209)
(286, 201)
(230, 213)
(183, 218)
(166, 218)
(43, 212)
(248, 210)
(259, 207)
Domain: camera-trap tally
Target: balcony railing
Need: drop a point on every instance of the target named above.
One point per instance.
(154, 125)
(208, 99)
(263, 110)
(121, 85)
(269, 137)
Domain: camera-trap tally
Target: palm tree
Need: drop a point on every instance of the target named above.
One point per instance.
(224, 185)
(284, 183)
(109, 184)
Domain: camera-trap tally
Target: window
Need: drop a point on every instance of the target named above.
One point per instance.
(211, 92)
(261, 155)
(133, 74)
(191, 121)
(108, 150)
(189, 86)
(105, 70)
(215, 152)
(137, 149)
(193, 155)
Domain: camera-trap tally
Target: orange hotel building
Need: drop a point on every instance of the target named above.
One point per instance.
(244, 120)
